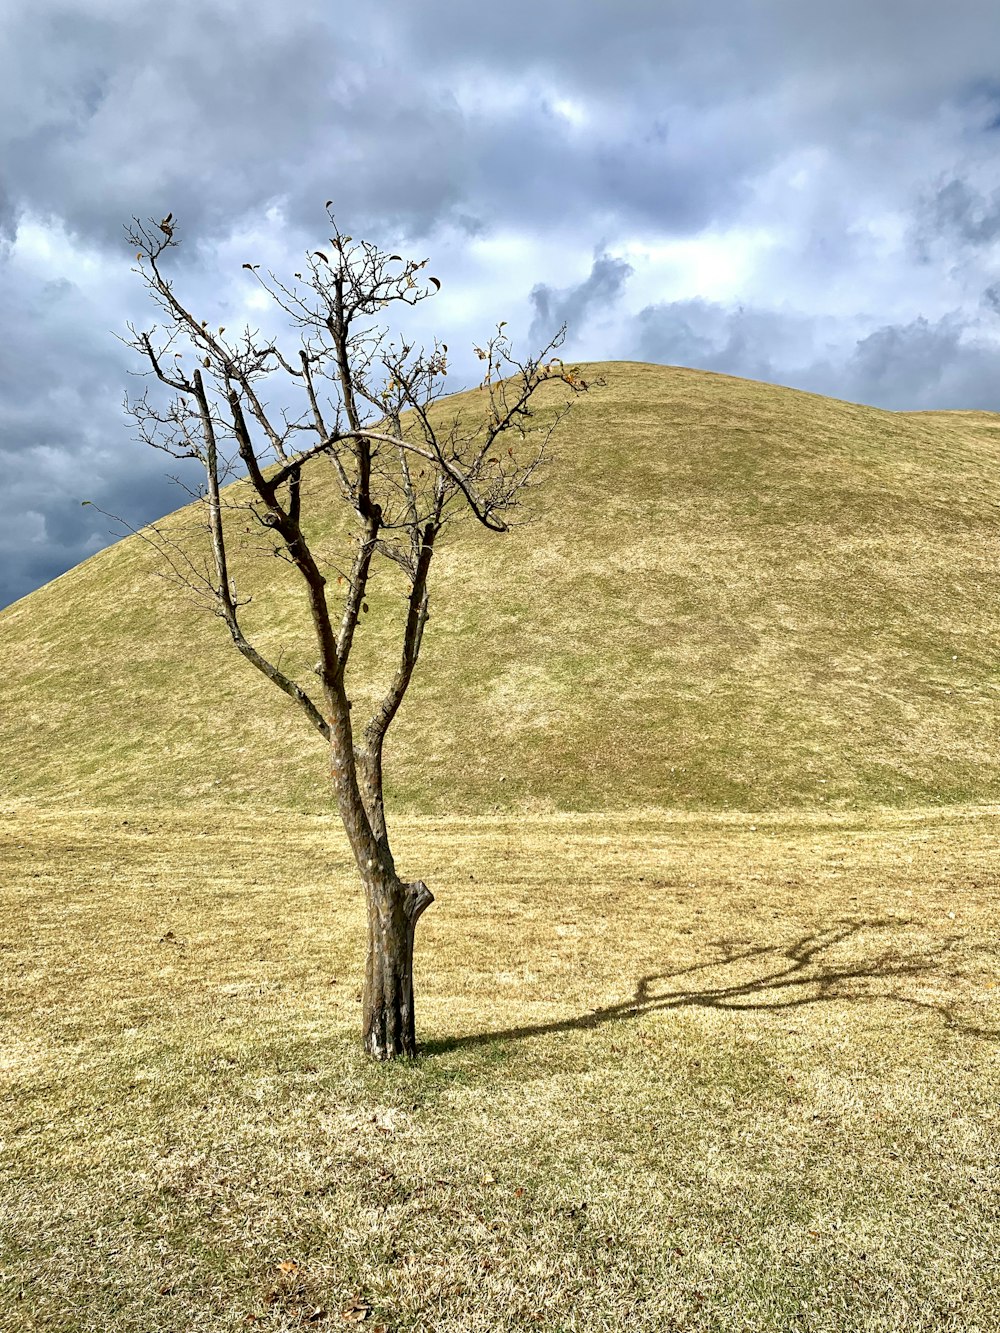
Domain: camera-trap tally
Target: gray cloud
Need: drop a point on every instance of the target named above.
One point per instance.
(62, 435)
(736, 341)
(849, 150)
(213, 115)
(527, 162)
(957, 211)
(922, 364)
(289, 106)
(845, 65)
(576, 306)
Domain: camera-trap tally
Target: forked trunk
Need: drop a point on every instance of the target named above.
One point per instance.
(393, 910)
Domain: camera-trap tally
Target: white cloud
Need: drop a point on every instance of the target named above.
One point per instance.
(715, 265)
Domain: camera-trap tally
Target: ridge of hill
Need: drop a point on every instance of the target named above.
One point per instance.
(733, 595)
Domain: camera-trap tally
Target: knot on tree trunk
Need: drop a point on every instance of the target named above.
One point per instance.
(417, 899)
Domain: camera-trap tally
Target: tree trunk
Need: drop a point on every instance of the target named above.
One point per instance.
(393, 911)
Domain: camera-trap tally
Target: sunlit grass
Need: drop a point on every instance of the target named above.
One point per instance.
(734, 596)
(701, 1073)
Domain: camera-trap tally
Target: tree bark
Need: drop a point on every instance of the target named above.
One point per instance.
(387, 1001)
(394, 907)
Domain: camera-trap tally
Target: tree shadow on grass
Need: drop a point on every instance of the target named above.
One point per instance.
(782, 976)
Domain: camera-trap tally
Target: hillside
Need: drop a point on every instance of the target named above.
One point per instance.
(734, 595)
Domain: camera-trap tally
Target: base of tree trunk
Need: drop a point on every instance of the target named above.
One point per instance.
(389, 1028)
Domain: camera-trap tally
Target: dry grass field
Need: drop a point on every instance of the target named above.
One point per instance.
(735, 596)
(685, 1067)
(689, 1072)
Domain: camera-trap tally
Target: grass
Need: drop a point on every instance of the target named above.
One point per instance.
(735, 596)
(702, 767)
(690, 1072)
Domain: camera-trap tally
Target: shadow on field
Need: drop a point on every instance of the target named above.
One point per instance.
(769, 978)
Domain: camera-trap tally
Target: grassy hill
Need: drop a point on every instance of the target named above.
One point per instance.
(734, 595)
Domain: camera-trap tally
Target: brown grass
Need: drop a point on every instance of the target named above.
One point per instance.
(736, 596)
(700, 1073)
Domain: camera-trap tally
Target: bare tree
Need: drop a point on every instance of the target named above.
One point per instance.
(366, 407)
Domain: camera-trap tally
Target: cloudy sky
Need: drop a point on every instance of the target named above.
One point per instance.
(806, 194)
